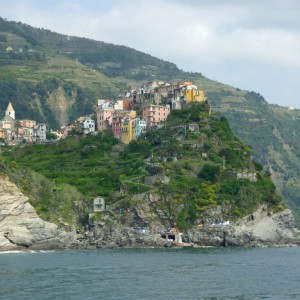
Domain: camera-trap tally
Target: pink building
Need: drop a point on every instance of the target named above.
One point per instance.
(65, 130)
(104, 118)
(155, 114)
(117, 125)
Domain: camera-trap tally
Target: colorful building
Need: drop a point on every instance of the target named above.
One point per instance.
(116, 124)
(104, 118)
(192, 94)
(127, 133)
(39, 133)
(65, 130)
(87, 125)
(27, 123)
(139, 127)
(155, 114)
(2, 134)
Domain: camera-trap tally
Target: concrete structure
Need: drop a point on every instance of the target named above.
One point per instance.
(98, 204)
(139, 127)
(39, 133)
(193, 127)
(85, 125)
(27, 134)
(251, 176)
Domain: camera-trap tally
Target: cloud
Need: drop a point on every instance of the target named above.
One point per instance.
(209, 30)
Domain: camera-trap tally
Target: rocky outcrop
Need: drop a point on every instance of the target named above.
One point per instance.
(114, 234)
(258, 229)
(20, 226)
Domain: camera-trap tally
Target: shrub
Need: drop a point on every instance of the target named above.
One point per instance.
(209, 172)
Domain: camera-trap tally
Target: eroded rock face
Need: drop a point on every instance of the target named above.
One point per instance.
(20, 226)
(258, 229)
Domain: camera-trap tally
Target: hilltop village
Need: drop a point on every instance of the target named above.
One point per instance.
(15, 131)
(127, 117)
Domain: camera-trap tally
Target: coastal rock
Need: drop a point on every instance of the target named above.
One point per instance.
(116, 235)
(261, 228)
(21, 227)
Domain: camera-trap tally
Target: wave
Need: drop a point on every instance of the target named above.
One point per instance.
(25, 251)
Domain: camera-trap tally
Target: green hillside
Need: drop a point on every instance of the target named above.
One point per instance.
(201, 168)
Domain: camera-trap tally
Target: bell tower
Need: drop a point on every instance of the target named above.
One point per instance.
(10, 111)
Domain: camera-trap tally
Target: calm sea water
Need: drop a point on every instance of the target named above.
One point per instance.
(223, 273)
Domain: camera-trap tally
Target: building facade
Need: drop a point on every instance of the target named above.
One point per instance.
(39, 133)
(104, 118)
(155, 114)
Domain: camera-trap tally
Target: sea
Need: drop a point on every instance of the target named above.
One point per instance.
(176, 273)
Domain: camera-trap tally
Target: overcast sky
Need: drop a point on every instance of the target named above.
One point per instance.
(249, 44)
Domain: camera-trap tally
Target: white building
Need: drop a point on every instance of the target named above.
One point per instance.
(39, 133)
(87, 125)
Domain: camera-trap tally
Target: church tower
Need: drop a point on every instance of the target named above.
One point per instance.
(10, 111)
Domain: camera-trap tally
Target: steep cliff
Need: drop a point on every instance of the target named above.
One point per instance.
(20, 226)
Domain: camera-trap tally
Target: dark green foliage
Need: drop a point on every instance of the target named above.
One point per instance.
(51, 136)
(222, 129)
(209, 172)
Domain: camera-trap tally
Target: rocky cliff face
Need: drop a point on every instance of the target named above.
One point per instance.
(258, 229)
(20, 226)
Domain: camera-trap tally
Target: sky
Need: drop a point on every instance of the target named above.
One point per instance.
(249, 44)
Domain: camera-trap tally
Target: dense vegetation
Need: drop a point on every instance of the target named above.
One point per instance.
(202, 167)
(273, 132)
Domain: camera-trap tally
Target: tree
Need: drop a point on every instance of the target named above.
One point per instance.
(51, 136)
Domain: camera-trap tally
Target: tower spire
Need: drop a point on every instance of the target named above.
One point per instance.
(10, 111)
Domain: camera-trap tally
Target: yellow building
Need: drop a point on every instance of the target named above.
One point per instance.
(185, 83)
(2, 134)
(194, 95)
(131, 114)
(127, 130)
